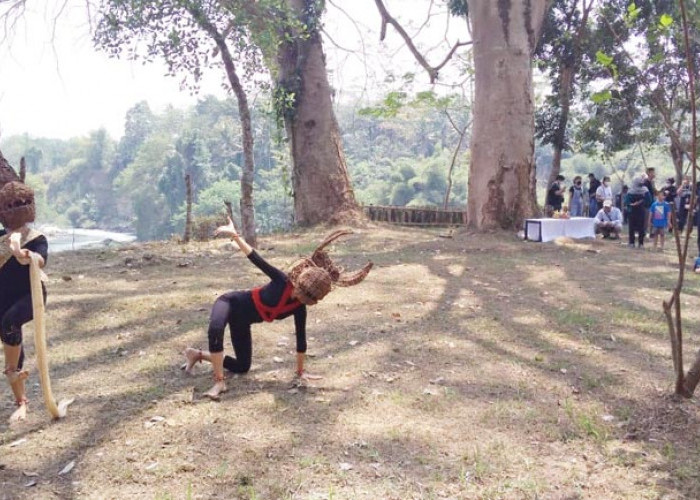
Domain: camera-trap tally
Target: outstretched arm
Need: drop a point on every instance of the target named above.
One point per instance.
(230, 231)
(22, 254)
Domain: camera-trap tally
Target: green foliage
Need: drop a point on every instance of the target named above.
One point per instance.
(638, 91)
(564, 47)
(393, 102)
(601, 97)
(211, 199)
(181, 32)
(190, 157)
(459, 8)
(137, 183)
(402, 194)
(151, 217)
(665, 21)
(603, 58)
(632, 14)
(409, 181)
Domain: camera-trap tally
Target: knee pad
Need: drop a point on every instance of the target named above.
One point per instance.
(12, 336)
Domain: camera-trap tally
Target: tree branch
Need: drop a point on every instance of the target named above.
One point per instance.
(432, 70)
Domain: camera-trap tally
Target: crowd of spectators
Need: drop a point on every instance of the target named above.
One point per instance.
(646, 210)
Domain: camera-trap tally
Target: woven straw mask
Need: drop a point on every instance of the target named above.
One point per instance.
(313, 277)
(16, 199)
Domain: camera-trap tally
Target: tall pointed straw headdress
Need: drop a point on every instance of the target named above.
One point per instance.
(314, 277)
(16, 198)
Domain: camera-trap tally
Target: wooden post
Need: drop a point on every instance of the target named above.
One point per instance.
(22, 169)
(229, 208)
(188, 220)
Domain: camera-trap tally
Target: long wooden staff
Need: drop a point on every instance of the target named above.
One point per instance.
(56, 410)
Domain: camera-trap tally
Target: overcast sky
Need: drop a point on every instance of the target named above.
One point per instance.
(57, 85)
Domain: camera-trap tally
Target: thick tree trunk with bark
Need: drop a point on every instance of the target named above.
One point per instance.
(501, 191)
(322, 189)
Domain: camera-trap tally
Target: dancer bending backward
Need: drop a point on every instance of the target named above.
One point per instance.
(17, 242)
(308, 281)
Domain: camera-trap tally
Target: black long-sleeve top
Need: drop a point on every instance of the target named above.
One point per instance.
(271, 294)
(14, 277)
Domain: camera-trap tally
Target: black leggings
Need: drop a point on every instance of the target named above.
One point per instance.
(238, 311)
(636, 224)
(12, 317)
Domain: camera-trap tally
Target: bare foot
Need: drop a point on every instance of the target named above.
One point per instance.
(19, 414)
(15, 377)
(215, 392)
(192, 356)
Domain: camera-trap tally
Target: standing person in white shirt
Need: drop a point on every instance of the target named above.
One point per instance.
(608, 221)
(604, 191)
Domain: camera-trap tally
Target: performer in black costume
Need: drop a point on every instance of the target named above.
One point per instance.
(285, 295)
(17, 242)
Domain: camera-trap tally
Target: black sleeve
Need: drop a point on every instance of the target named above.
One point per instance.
(40, 246)
(3, 232)
(300, 325)
(272, 272)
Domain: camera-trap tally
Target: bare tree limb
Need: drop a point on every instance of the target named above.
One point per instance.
(432, 70)
(685, 386)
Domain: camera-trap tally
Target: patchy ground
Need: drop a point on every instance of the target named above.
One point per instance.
(476, 367)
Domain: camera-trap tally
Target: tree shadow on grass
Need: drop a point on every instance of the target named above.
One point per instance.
(298, 439)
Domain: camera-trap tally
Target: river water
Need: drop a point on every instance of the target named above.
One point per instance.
(64, 240)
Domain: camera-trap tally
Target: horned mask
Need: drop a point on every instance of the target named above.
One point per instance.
(16, 199)
(313, 277)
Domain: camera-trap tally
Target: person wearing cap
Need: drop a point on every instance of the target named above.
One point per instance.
(308, 282)
(608, 221)
(17, 242)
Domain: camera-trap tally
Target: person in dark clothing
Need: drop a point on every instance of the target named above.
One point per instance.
(555, 194)
(669, 192)
(309, 281)
(649, 180)
(620, 202)
(684, 202)
(17, 243)
(638, 200)
(593, 185)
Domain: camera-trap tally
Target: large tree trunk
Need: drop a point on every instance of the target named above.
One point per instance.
(501, 191)
(322, 189)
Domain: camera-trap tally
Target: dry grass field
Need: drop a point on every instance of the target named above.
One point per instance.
(472, 367)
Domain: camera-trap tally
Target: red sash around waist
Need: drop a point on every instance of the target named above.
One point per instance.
(268, 313)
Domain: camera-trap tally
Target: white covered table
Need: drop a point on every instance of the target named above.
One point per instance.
(548, 229)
